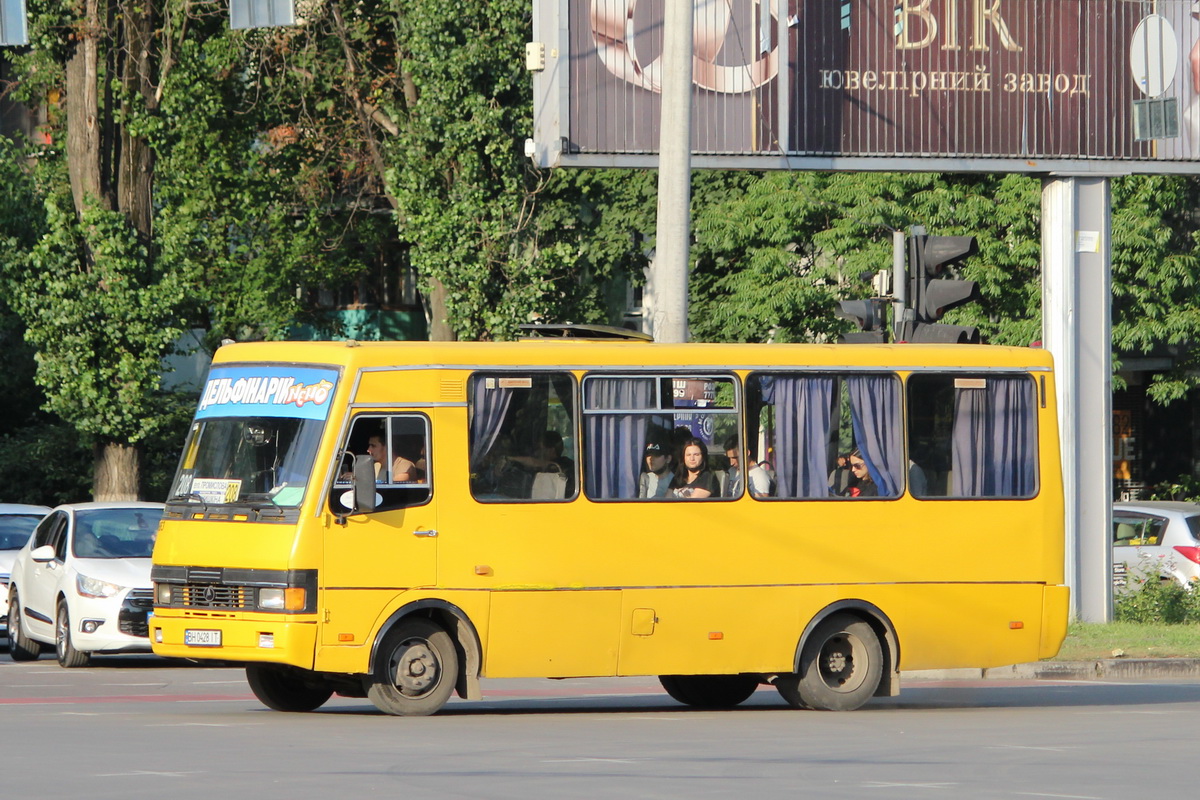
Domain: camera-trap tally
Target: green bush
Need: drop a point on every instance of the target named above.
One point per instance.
(1184, 488)
(1155, 600)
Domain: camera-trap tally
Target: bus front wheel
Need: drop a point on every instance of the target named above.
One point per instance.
(709, 691)
(416, 670)
(285, 688)
(841, 666)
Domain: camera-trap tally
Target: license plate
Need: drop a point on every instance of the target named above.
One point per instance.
(197, 638)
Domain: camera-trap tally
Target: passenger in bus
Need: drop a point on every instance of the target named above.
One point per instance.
(655, 480)
(693, 479)
(550, 458)
(842, 477)
(760, 479)
(403, 470)
(497, 475)
(409, 464)
(863, 486)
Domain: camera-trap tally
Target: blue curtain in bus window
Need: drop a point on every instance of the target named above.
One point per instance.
(994, 452)
(875, 415)
(615, 441)
(803, 411)
(488, 410)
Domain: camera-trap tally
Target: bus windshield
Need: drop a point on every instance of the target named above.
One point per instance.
(248, 459)
(255, 436)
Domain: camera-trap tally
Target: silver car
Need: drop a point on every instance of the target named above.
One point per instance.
(1156, 536)
(17, 521)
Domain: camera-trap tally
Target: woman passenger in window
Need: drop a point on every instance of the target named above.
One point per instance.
(693, 478)
(862, 486)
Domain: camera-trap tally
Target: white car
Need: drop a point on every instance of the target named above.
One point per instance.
(17, 521)
(82, 582)
(1156, 536)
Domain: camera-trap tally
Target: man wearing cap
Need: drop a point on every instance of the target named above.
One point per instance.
(657, 477)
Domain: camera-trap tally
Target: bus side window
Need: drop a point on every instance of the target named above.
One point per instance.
(810, 422)
(973, 436)
(522, 437)
(636, 427)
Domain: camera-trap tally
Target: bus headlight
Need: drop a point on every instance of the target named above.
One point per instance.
(162, 594)
(290, 599)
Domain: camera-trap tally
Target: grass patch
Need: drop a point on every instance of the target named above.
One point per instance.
(1093, 641)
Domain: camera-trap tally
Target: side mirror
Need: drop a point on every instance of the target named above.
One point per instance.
(43, 554)
(364, 483)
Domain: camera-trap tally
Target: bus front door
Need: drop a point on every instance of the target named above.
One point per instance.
(372, 558)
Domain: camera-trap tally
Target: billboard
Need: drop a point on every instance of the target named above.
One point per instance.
(1105, 86)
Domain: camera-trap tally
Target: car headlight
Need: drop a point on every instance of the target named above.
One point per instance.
(94, 587)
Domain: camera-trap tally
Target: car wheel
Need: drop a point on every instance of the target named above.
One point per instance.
(709, 691)
(20, 646)
(64, 647)
(840, 667)
(415, 671)
(285, 688)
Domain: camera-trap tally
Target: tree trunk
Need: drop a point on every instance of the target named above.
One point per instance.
(435, 313)
(135, 169)
(117, 471)
(83, 112)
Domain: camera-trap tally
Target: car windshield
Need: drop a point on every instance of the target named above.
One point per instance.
(115, 532)
(241, 460)
(15, 530)
(1193, 523)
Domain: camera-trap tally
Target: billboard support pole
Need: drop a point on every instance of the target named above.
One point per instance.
(1077, 330)
(673, 226)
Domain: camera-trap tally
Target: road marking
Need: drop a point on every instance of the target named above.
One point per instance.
(146, 773)
(1029, 747)
(205, 725)
(133, 684)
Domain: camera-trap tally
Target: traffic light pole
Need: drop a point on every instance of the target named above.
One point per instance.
(1077, 330)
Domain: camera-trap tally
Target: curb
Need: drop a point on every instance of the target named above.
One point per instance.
(1104, 669)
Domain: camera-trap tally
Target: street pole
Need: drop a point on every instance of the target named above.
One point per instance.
(673, 234)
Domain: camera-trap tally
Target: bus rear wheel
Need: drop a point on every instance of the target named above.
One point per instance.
(285, 688)
(709, 691)
(841, 666)
(415, 671)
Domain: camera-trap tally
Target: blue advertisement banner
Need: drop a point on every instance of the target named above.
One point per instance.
(263, 391)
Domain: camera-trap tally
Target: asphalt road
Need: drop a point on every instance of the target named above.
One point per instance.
(139, 727)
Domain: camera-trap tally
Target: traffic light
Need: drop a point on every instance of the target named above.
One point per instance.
(932, 295)
(868, 316)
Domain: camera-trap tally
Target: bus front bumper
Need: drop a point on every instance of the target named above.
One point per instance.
(259, 637)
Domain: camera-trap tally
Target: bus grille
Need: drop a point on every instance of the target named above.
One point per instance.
(216, 596)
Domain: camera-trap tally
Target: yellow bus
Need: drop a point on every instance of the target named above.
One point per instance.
(398, 520)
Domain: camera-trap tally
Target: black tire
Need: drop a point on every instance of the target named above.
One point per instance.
(709, 691)
(64, 647)
(840, 667)
(285, 688)
(20, 646)
(415, 670)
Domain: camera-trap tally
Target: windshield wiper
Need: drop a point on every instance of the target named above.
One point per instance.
(189, 496)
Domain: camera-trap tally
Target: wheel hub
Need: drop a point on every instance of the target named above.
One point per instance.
(837, 664)
(416, 668)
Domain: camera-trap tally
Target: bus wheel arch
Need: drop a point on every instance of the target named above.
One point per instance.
(457, 625)
(861, 640)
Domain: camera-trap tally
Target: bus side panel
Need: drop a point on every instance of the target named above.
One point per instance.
(703, 631)
(948, 626)
(552, 634)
